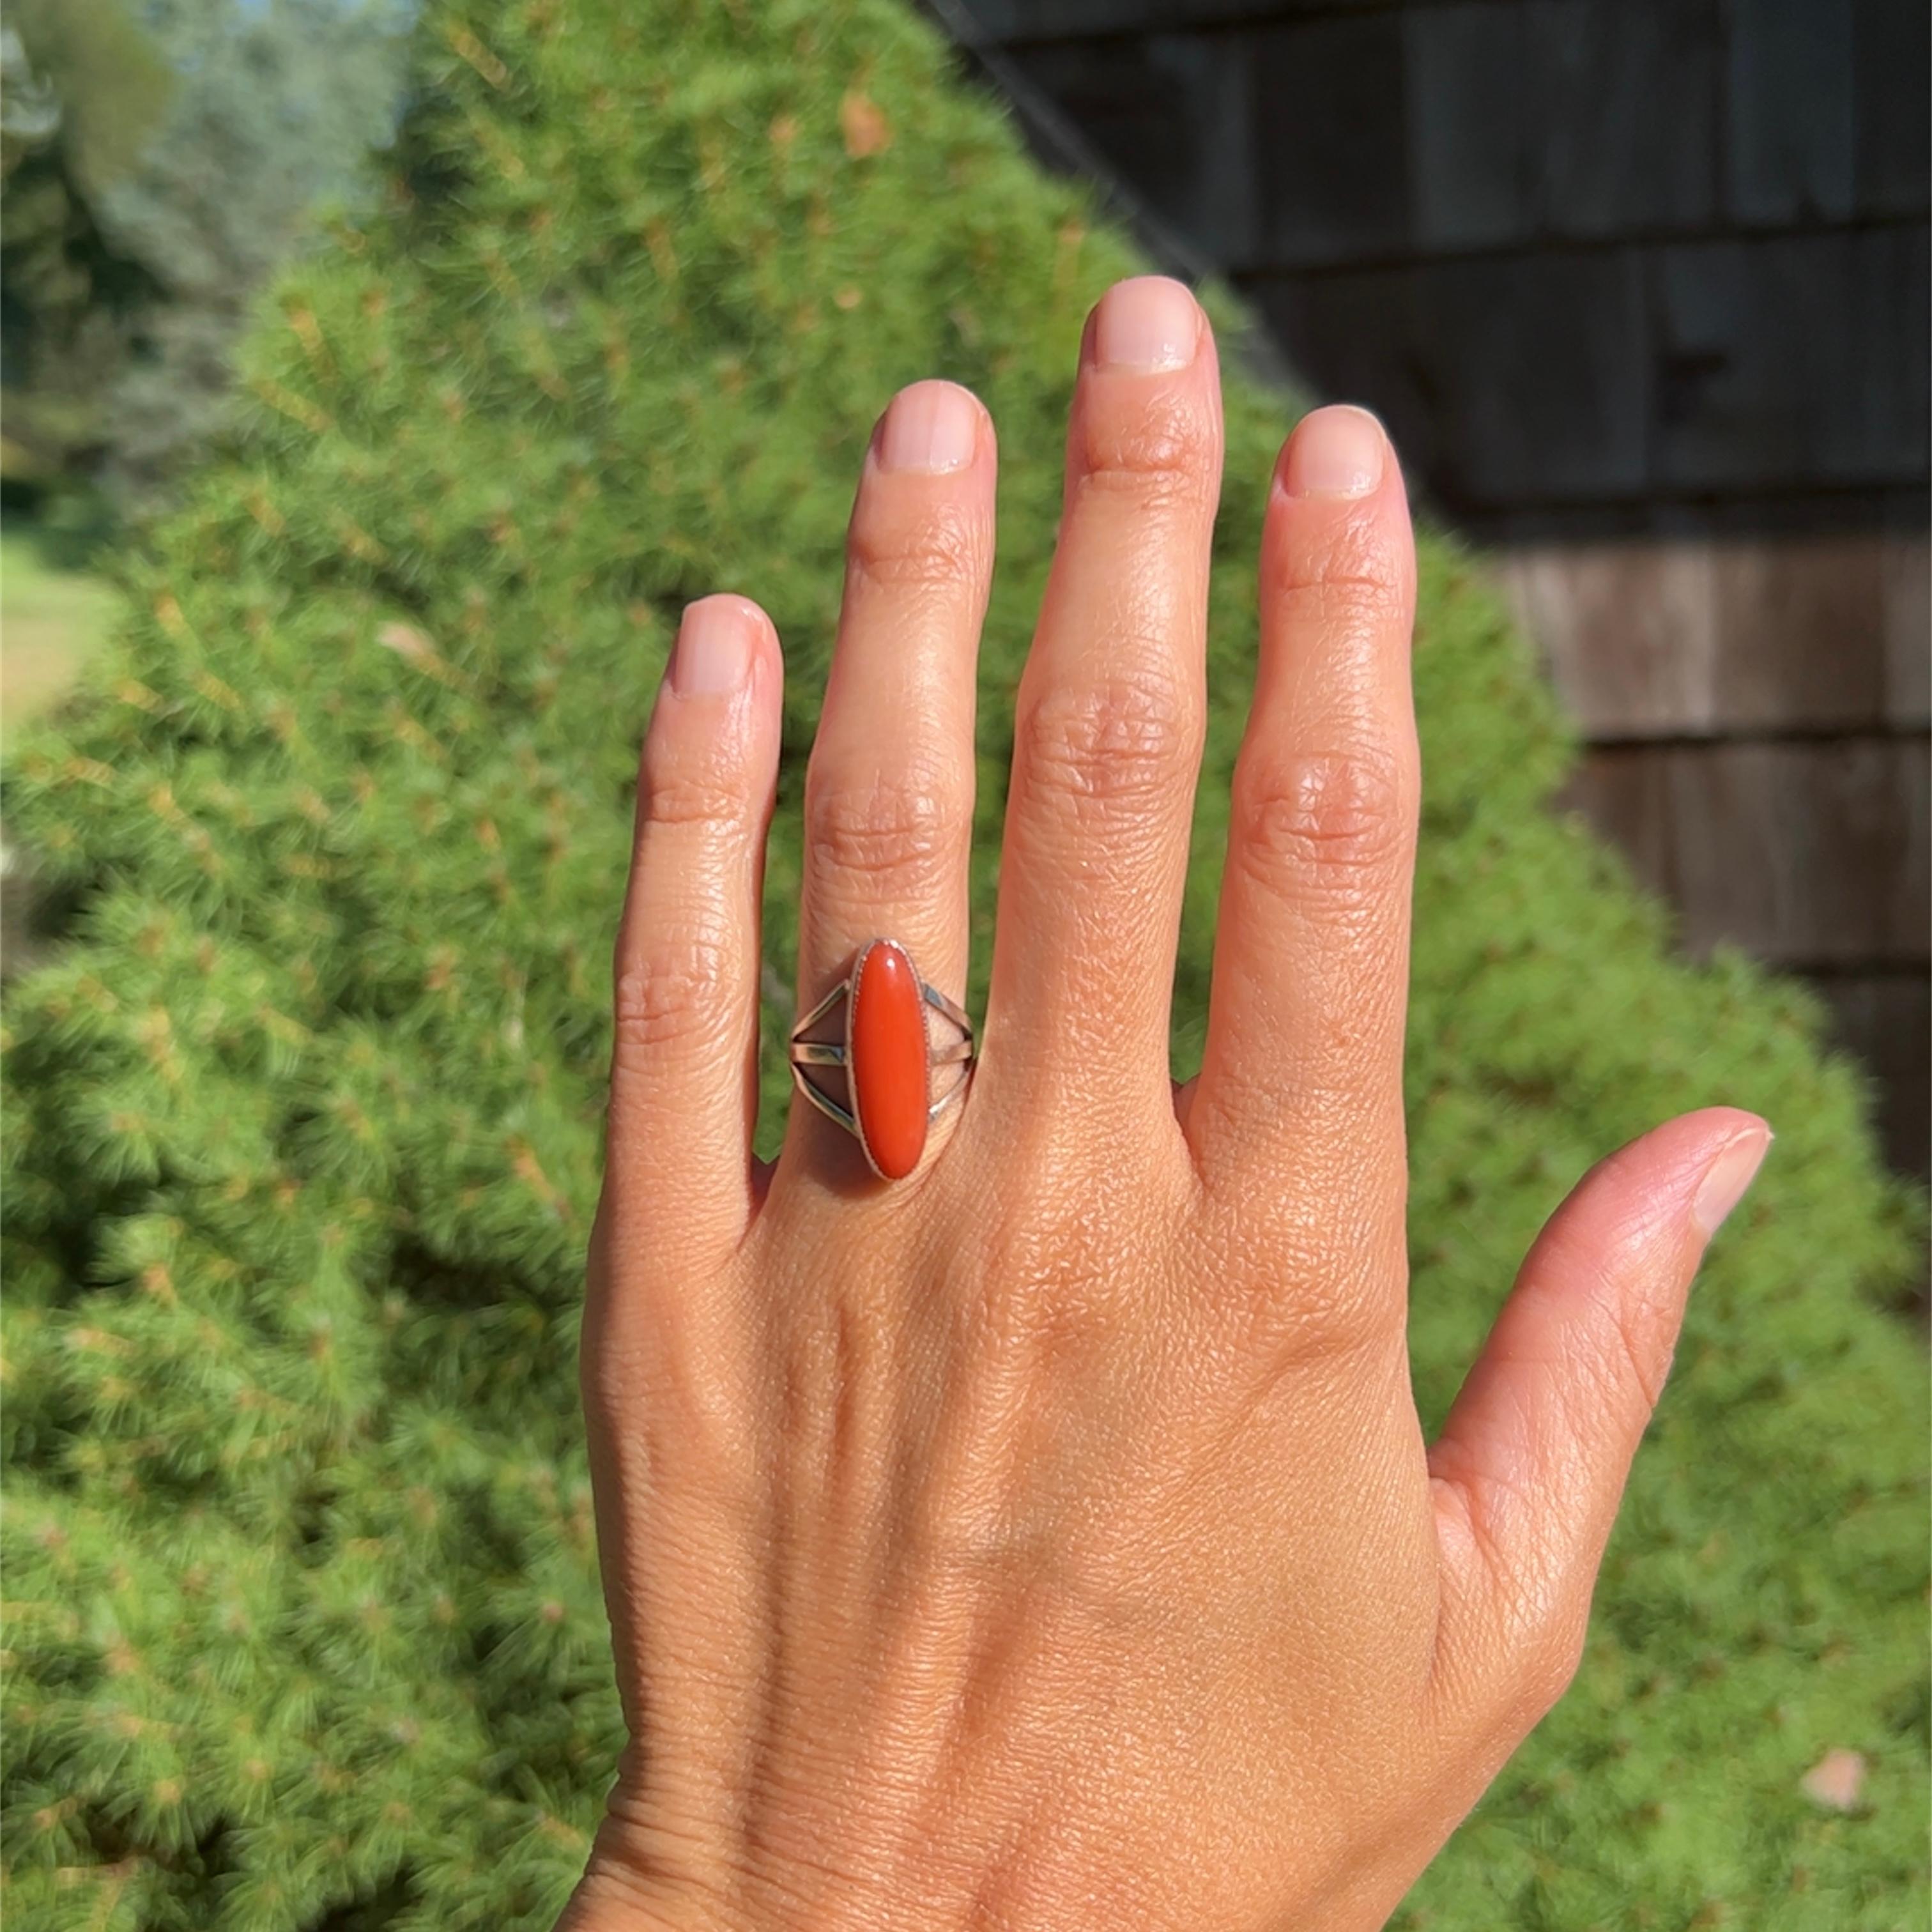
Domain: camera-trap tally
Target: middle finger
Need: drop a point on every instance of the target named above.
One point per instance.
(1110, 716)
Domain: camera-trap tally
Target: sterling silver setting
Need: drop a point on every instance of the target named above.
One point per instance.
(963, 1052)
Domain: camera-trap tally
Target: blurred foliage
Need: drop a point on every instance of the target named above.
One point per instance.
(160, 156)
(82, 89)
(87, 73)
(302, 1120)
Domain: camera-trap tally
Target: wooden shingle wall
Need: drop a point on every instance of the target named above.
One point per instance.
(1641, 288)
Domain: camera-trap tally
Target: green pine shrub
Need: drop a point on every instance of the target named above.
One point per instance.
(302, 1627)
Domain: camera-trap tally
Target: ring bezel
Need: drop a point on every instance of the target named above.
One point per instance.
(804, 1053)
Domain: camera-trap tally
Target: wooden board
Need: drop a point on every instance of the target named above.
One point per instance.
(1659, 638)
(1886, 1018)
(1805, 854)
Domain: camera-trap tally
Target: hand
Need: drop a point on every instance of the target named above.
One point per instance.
(1048, 1539)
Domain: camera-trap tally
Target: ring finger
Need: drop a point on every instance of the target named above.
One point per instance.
(889, 788)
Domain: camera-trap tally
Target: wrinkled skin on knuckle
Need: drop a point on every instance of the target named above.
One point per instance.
(900, 834)
(1350, 569)
(1610, 1363)
(1042, 1262)
(938, 547)
(1338, 823)
(1168, 449)
(1104, 753)
(678, 989)
(1297, 1288)
(693, 794)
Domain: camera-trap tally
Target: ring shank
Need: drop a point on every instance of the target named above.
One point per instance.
(963, 1052)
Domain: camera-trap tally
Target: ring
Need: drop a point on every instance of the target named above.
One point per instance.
(888, 1055)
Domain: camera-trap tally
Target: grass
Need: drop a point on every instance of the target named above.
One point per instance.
(51, 621)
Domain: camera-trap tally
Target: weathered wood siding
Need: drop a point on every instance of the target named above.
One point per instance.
(1641, 288)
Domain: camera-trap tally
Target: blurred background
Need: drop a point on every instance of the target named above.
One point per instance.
(303, 1627)
(157, 160)
(1641, 286)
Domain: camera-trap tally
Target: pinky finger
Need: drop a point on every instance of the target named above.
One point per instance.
(684, 1063)
(1531, 1465)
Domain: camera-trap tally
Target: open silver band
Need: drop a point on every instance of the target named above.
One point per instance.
(961, 1052)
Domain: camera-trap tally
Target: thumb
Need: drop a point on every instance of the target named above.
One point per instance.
(1530, 1466)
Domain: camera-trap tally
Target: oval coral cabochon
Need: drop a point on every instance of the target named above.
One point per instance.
(887, 1060)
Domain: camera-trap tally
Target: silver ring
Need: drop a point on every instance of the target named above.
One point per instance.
(887, 1053)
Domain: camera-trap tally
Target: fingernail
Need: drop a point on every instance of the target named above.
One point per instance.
(931, 426)
(1150, 322)
(714, 648)
(1338, 451)
(1727, 1177)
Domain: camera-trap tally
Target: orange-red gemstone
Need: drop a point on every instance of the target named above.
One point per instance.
(887, 1066)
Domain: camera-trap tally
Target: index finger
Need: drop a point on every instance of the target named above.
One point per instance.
(1303, 1063)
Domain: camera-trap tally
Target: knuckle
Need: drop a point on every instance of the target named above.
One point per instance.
(1545, 1668)
(939, 547)
(1303, 1289)
(1522, 1631)
(1352, 599)
(1099, 749)
(1349, 571)
(1347, 1307)
(1341, 817)
(706, 800)
(903, 835)
(1168, 444)
(1325, 1314)
(677, 990)
(1045, 1297)
(1536, 1628)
